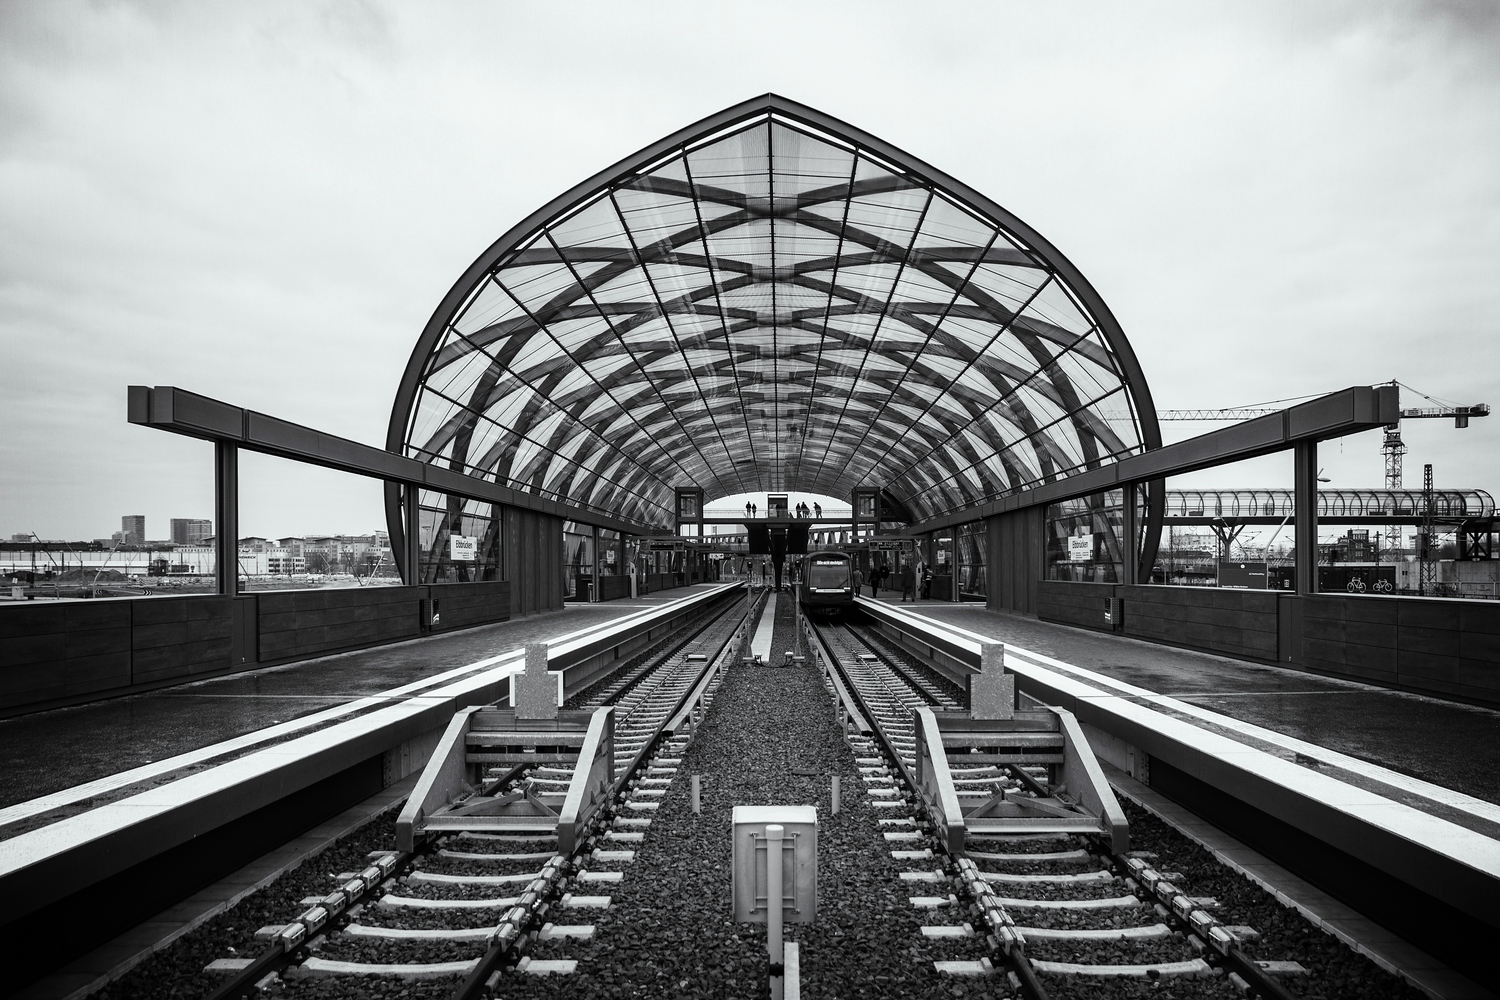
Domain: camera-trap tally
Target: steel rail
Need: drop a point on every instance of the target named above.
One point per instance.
(1031, 984)
(1220, 947)
(503, 944)
(290, 947)
(310, 925)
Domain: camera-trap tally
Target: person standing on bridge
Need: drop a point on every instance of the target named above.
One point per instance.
(817, 510)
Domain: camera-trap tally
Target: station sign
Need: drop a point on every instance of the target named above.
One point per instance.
(1081, 548)
(1242, 575)
(671, 545)
(463, 548)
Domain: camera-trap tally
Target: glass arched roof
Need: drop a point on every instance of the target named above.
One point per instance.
(771, 300)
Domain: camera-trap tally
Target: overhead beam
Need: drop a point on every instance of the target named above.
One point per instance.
(1349, 411)
(168, 408)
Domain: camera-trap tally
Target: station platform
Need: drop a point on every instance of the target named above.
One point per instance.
(1382, 801)
(1450, 744)
(61, 748)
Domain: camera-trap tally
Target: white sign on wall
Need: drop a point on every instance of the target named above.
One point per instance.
(1081, 548)
(463, 548)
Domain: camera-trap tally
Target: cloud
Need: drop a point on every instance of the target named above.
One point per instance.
(265, 202)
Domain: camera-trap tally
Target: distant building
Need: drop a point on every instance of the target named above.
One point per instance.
(191, 530)
(24, 536)
(133, 529)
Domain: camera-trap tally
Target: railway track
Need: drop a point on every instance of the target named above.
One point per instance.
(1048, 910)
(471, 903)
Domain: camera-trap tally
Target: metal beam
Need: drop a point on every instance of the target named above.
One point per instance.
(169, 408)
(1358, 408)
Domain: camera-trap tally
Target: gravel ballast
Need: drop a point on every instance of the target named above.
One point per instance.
(670, 931)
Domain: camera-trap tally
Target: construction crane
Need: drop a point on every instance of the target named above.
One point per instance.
(1392, 446)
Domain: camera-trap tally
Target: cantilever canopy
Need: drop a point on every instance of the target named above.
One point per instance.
(771, 300)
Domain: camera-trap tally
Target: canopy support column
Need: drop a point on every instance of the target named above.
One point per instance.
(226, 518)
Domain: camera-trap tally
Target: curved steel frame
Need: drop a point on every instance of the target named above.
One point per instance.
(1131, 375)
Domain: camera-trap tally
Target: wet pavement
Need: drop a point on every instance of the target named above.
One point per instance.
(1447, 743)
(48, 751)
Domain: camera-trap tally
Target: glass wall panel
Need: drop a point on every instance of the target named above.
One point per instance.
(972, 543)
(302, 527)
(1243, 538)
(942, 566)
(610, 563)
(1084, 539)
(460, 539)
(578, 560)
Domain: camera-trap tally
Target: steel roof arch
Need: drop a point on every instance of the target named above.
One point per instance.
(955, 412)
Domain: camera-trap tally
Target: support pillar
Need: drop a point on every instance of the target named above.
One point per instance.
(1305, 514)
(594, 588)
(956, 594)
(1130, 548)
(412, 517)
(227, 518)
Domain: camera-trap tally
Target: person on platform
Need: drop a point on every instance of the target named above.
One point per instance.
(859, 581)
(908, 584)
(875, 575)
(927, 584)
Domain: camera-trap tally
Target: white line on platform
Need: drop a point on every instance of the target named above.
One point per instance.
(136, 775)
(1478, 808)
(761, 645)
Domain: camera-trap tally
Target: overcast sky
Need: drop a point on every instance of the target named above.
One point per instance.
(265, 202)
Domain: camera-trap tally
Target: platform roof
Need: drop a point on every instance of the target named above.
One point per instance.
(772, 300)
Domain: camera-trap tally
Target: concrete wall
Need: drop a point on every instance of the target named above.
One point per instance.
(1449, 648)
(71, 651)
(56, 653)
(665, 581)
(1443, 647)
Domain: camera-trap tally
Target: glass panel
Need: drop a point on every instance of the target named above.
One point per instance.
(459, 540)
(972, 542)
(578, 561)
(1084, 539)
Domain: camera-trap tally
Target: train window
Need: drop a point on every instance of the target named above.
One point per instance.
(830, 575)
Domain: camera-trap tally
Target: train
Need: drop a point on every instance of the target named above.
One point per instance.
(827, 585)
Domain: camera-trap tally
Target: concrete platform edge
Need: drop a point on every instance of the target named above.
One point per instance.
(103, 965)
(1360, 933)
